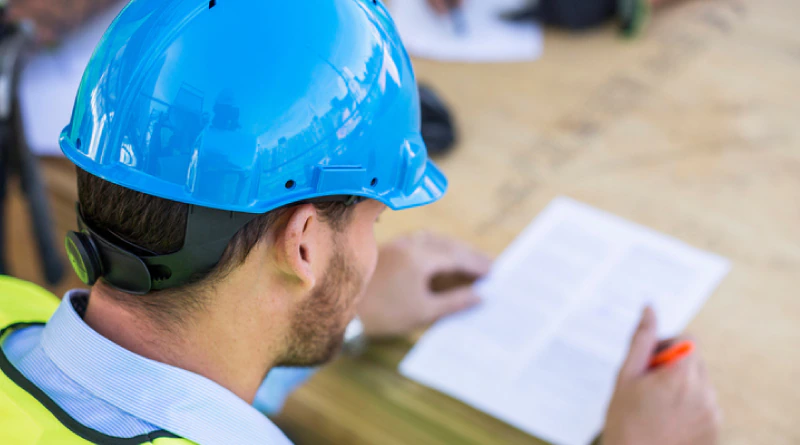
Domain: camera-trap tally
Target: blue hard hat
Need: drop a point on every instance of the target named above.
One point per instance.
(249, 105)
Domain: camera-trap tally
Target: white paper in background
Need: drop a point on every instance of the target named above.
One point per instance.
(50, 82)
(560, 306)
(487, 37)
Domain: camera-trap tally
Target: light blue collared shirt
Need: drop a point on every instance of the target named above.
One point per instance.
(119, 393)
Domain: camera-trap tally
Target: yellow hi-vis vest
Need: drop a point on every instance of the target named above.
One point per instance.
(27, 415)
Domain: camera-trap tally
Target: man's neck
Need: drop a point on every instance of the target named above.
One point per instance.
(220, 345)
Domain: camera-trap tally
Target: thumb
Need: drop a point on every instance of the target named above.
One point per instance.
(644, 343)
(451, 301)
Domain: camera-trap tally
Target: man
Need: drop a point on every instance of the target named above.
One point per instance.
(233, 157)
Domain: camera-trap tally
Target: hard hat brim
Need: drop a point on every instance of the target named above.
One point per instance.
(431, 189)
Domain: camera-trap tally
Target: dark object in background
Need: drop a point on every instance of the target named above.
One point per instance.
(15, 158)
(438, 128)
(575, 15)
(633, 14)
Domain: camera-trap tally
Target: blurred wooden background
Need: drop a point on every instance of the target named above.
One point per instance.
(691, 130)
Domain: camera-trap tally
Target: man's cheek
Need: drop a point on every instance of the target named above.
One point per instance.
(368, 254)
(362, 290)
(372, 265)
(365, 275)
(372, 250)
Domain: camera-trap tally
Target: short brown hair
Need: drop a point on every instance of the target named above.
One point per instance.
(159, 225)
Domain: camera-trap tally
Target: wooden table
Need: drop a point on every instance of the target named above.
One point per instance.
(692, 131)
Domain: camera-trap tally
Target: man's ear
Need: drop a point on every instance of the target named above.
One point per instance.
(297, 245)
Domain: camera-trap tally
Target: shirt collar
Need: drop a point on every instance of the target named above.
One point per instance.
(171, 398)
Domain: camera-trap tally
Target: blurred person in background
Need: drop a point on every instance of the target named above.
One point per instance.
(175, 337)
(575, 15)
(56, 19)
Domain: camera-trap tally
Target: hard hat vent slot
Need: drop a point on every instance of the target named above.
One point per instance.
(374, 182)
(212, 3)
(289, 184)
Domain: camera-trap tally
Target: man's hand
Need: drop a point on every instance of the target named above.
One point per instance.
(400, 297)
(671, 405)
(442, 6)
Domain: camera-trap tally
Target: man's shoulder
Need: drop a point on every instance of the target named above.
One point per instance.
(24, 302)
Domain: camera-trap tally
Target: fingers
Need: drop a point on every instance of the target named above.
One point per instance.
(716, 415)
(465, 262)
(452, 301)
(448, 255)
(700, 368)
(676, 341)
(643, 344)
(690, 377)
(686, 367)
(707, 395)
(663, 345)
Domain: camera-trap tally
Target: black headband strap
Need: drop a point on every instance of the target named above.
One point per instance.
(208, 232)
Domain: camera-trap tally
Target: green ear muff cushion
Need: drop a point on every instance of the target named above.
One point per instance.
(83, 257)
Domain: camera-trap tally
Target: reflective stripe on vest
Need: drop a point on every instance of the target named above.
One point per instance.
(27, 415)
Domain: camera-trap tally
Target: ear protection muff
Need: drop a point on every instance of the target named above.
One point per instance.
(84, 257)
(95, 256)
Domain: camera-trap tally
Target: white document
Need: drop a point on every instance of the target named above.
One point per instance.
(50, 81)
(560, 306)
(485, 37)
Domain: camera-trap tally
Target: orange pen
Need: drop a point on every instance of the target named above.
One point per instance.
(672, 353)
